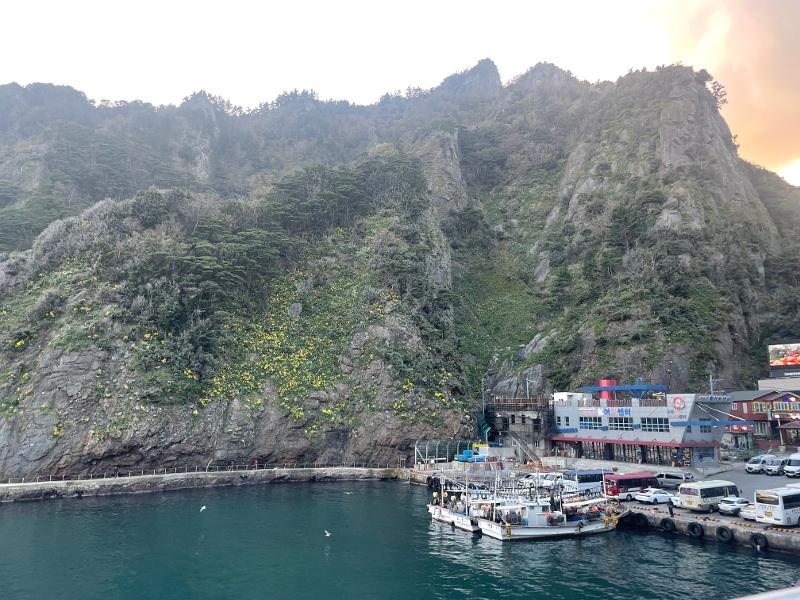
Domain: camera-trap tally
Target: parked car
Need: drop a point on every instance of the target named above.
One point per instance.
(732, 505)
(539, 479)
(775, 466)
(653, 496)
(792, 468)
(748, 512)
(757, 463)
(671, 481)
(676, 502)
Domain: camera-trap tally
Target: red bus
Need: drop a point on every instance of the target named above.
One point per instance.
(625, 486)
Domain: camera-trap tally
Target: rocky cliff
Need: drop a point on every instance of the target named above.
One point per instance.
(317, 281)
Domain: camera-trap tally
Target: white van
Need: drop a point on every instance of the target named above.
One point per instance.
(705, 495)
(792, 467)
(757, 463)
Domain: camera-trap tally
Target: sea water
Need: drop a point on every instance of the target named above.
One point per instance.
(269, 541)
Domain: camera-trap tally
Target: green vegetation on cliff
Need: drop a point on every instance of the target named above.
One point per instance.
(316, 277)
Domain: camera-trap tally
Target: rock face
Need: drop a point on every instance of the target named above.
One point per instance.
(538, 236)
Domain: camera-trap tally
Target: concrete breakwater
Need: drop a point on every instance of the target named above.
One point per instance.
(77, 488)
(723, 530)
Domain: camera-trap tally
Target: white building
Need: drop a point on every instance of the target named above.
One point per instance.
(665, 429)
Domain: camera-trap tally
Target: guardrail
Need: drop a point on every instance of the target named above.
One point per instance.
(124, 473)
(518, 404)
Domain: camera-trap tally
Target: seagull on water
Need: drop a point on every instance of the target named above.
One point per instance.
(327, 533)
(348, 493)
(202, 508)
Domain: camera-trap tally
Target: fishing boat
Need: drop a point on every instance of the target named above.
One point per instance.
(537, 519)
(464, 510)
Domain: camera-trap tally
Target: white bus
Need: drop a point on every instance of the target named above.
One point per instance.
(585, 481)
(780, 506)
(705, 495)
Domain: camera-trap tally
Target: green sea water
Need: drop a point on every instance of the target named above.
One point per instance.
(268, 542)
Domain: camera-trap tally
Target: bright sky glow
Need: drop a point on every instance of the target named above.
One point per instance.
(249, 52)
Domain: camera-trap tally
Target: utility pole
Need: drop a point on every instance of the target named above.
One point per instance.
(483, 394)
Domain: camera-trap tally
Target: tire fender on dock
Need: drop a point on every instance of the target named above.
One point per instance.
(667, 524)
(724, 534)
(696, 530)
(759, 541)
(640, 520)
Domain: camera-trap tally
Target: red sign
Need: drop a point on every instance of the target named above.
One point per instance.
(678, 403)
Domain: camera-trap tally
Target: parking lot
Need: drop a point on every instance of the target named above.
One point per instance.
(748, 483)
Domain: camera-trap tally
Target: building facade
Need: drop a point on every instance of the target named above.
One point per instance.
(524, 423)
(773, 414)
(665, 429)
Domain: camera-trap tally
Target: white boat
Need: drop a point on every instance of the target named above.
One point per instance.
(463, 512)
(534, 519)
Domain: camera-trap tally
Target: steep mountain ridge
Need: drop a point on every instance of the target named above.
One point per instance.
(331, 282)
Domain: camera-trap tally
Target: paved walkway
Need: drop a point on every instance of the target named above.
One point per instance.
(77, 488)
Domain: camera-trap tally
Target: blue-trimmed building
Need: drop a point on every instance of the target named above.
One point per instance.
(632, 425)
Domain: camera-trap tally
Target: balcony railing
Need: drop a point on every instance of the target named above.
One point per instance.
(653, 402)
(512, 404)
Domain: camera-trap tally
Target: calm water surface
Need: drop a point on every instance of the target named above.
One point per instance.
(269, 542)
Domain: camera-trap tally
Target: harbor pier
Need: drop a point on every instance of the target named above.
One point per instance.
(712, 526)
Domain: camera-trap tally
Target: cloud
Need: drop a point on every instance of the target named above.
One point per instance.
(753, 48)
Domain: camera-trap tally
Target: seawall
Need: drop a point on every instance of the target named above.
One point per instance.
(79, 488)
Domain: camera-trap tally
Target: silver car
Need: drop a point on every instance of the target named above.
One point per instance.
(775, 466)
(671, 481)
(748, 512)
(732, 505)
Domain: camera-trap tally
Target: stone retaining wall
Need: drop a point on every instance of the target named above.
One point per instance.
(44, 490)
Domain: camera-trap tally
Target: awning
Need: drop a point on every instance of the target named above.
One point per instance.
(565, 438)
(790, 425)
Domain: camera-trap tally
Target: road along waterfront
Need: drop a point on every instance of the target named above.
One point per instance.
(268, 541)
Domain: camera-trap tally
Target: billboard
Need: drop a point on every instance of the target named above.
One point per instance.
(784, 359)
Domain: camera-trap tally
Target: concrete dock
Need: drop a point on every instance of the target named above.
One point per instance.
(712, 526)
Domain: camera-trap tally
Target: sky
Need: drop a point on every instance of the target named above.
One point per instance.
(250, 51)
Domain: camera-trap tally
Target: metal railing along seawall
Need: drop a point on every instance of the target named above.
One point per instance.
(400, 463)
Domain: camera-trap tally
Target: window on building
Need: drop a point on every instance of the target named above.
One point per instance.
(590, 422)
(558, 421)
(705, 428)
(688, 429)
(744, 408)
(759, 407)
(620, 423)
(523, 419)
(781, 406)
(761, 428)
(566, 421)
(656, 424)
